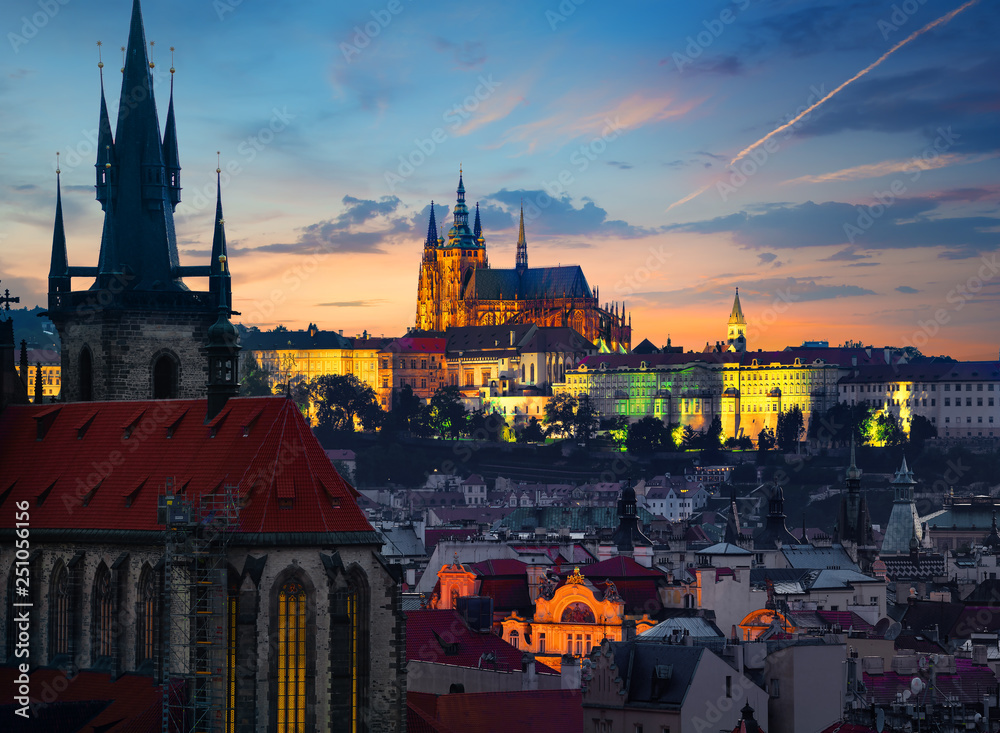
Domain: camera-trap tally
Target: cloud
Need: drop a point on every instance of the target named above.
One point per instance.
(754, 294)
(467, 55)
(729, 65)
(812, 30)
(560, 216)
(575, 117)
(911, 166)
(353, 304)
(701, 158)
(766, 258)
(906, 289)
(906, 223)
(619, 164)
(492, 109)
(341, 234)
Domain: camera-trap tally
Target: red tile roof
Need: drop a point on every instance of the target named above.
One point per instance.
(133, 704)
(557, 711)
(966, 686)
(619, 566)
(102, 466)
(428, 633)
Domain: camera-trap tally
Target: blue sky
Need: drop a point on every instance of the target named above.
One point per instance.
(873, 218)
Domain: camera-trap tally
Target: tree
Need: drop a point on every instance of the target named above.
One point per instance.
(585, 419)
(921, 430)
(532, 432)
(447, 413)
(560, 412)
(689, 438)
(741, 443)
(713, 436)
(340, 399)
(255, 381)
(405, 407)
(765, 440)
(885, 430)
(647, 435)
(790, 429)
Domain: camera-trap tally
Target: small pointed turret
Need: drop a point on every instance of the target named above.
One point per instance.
(223, 351)
(477, 226)
(736, 336)
(171, 157)
(219, 278)
(59, 281)
(521, 264)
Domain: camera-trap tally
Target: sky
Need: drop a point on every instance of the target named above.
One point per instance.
(634, 133)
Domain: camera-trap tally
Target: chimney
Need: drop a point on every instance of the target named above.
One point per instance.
(511, 338)
(569, 670)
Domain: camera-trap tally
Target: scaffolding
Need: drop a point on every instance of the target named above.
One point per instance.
(196, 643)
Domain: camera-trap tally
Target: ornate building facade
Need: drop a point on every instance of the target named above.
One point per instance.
(457, 287)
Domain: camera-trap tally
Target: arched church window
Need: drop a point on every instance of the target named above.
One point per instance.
(85, 373)
(291, 652)
(532, 373)
(147, 617)
(350, 651)
(165, 378)
(59, 609)
(103, 608)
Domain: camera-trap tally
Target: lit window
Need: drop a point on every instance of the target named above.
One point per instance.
(291, 658)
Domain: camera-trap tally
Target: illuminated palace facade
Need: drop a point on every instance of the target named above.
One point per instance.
(457, 287)
(747, 390)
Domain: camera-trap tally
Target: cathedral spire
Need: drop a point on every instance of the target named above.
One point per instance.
(477, 227)
(59, 263)
(223, 351)
(432, 231)
(170, 155)
(522, 247)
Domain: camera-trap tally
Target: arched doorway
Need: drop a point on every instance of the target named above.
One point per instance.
(86, 375)
(165, 378)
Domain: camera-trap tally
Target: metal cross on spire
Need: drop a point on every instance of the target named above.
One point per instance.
(6, 300)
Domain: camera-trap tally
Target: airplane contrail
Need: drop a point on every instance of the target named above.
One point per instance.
(916, 34)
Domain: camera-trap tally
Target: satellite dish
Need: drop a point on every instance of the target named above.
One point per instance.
(881, 627)
(893, 631)
(907, 695)
(879, 720)
(916, 685)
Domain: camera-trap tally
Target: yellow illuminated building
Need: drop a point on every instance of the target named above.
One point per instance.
(51, 372)
(570, 619)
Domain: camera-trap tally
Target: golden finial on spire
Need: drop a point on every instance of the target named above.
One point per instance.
(100, 61)
(172, 60)
(151, 44)
(123, 59)
(107, 151)
(57, 163)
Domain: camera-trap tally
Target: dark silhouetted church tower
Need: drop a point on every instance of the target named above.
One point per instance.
(138, 332)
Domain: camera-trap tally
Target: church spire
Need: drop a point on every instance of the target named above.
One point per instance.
(220, 271)
(105, 165)
(736, 336)
(170, 154)
(432, 231)
(59, 264)
(223, 350)
(521, 263)
(477, 227)
(138, 239)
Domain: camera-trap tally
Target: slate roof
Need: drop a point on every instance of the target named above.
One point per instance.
(986, 593)
(533, 284)
(557, 338)
(839, 356)
(695, 626)
(636, 661)
(926, 371)
(262, 446)
(401, 542)
(500, 566)
(301, 340)
(723, 548)
(807, 556)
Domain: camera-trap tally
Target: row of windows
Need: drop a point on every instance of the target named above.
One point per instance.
(968, 419)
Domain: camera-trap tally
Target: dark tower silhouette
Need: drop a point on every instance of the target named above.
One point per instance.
(522, 248)
(138, 331)
(629, 533)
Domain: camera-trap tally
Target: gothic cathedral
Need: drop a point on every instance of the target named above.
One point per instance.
(457, 287)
